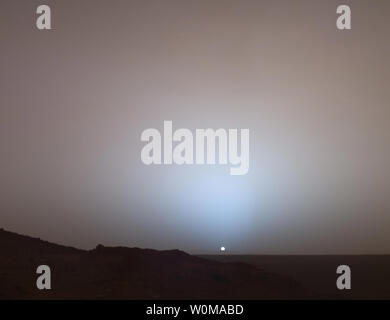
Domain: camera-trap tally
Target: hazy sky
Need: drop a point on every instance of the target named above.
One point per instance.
(75, 100)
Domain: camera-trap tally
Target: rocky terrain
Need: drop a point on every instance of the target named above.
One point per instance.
(131, 273)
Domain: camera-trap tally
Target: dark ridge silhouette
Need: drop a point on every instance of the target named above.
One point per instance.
(131, 273)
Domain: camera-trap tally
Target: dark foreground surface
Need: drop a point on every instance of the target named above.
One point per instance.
(133, 273)
(370, 274)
